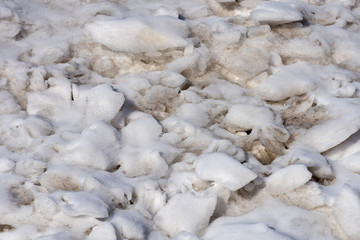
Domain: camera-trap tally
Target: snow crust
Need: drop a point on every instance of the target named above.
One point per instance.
(185, 120)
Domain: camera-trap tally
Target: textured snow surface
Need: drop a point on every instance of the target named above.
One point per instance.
(185, 120)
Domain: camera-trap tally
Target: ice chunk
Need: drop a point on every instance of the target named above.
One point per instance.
(6, 164)
(96, 147)
(82, 204)
(7, 204)
(148, 163)
(8, 103)
(29, 167)
(316, 163)
(143, 131)
(346, 211)
(253, 231)
(102, 230)
(289, 81)
(326, 135)
(164, 11)
(287, 179)
(53, 103)
(150, 196)
(111, 187)
(352, 162)
(140, 34)
(223, 169)
(193, 113)
(271, 220)
(23, 232)
(99, 103)
(186, 236)
(272, 12)
(345, 149)
(46, 206)
(44, 55)
(59, 177)
(242, 117)
(56, 236)
(130, 224)
(185, 212)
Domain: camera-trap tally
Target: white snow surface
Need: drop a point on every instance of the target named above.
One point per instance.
(185, 120)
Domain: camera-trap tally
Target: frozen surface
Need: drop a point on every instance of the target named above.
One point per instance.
(185, 120)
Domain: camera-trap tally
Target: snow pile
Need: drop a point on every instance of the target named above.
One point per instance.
(201, 119)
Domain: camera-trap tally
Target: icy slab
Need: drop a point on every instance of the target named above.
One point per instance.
(223, 169)
(272, 12)
(287, 179)
(185, 212)
(141, 34)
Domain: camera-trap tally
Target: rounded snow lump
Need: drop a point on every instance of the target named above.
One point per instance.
(287, 179)
(272, 12)
(223, 169)
(140, 34)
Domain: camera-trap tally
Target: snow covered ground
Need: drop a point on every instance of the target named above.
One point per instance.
(186, 120)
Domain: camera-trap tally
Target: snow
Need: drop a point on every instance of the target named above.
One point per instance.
(272, 12)
(137, 34)
(185, 212)
(278, 221)
(186, 120)
(287, 179)
(347, 211)
(223, 169)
